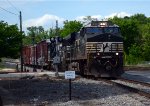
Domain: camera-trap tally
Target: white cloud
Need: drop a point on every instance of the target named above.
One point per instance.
(49, 20)
(121, 15)
(80, 18)
(45, 20)
(99, 17)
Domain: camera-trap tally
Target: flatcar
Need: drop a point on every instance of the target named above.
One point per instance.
(97, 49)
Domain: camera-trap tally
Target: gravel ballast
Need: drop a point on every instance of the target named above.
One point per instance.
(52, 91)
(134, 85)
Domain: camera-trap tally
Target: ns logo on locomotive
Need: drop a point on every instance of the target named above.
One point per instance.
(97, 49)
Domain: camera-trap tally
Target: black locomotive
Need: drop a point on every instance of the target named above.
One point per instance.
(97, 49)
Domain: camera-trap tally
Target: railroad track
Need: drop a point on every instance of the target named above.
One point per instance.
(133, 86)
(141, 88)
(135, 82)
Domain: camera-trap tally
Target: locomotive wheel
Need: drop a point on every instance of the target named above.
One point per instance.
(82, 70)
(94, 71)
(1, 101)
(81, 67)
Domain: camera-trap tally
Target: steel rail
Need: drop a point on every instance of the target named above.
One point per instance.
(134, 82)
(135, 90)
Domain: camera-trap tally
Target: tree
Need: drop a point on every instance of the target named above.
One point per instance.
(70, 27)
(88, 19)
(136, 32)
(146, 41)
(34, 35)
(135, 54)
(129, 30)
(10, 40)
(140, 18)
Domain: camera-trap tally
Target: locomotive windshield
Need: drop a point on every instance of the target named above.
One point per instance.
(93, 30)
(111, 30)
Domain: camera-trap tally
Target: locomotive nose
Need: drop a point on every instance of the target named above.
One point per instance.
(108, 66)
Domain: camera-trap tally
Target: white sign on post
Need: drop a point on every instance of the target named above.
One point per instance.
(69, 74)
(56, 60)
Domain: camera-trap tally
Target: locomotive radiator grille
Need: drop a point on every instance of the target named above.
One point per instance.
(116, 47)
(94, 47)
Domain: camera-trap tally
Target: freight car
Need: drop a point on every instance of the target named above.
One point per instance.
(97, 49)
(29, 55)
(37, 55)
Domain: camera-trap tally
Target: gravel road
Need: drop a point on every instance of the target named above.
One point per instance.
(51, 91)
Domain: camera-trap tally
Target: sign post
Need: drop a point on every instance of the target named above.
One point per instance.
(69, 75)
(69, 89)
(56, 61)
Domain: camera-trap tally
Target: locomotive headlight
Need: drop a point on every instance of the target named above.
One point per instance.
(98, 54)
(117, 54)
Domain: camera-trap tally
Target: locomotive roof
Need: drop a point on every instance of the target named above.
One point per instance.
(101, 24)
(70, 38)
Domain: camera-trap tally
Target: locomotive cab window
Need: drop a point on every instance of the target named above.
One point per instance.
(93, 30)
(111, 30)
(108, 30)
(116, 30)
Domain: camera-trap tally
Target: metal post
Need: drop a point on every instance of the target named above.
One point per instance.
(20, 17)
(56, 40)
(69, 89)
(70, 58)
(56, 65)
(34, 59)
(49, 55)
(42, 59)
(34, 51)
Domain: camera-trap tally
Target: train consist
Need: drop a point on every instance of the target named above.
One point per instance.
(97, 49)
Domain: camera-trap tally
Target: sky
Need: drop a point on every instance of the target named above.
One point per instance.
(46, 12)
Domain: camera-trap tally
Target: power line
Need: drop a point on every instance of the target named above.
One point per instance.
(13, 6)
(8, 11)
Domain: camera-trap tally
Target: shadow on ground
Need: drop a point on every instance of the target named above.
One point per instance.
(37, 91)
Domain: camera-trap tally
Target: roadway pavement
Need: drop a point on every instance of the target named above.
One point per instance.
(143, 76)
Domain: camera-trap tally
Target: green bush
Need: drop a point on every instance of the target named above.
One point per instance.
(135, 55)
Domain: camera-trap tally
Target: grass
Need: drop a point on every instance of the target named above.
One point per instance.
(142, 64)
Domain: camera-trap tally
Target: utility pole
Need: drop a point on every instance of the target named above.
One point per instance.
(56, 47)
(34, 51)
(56, 38)
(20, 18)
(56, 27)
